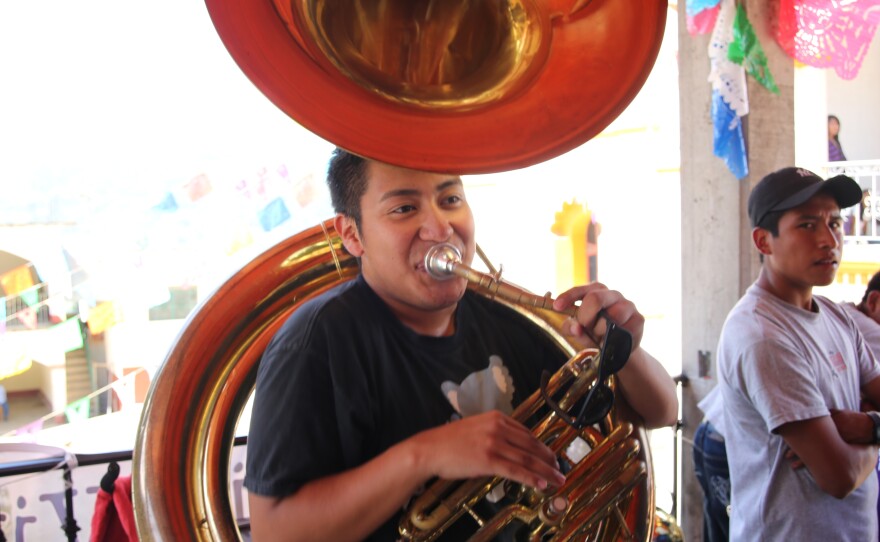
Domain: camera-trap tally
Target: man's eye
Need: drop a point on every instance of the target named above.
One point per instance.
(452, 200)
(403, 209)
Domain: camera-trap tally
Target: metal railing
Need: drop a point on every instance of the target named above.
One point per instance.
(67, 464)
(862, 221)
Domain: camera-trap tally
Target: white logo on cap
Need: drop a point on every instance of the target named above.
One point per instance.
(804, 173)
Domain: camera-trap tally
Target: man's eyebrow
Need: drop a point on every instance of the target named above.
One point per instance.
(455, 181)
(400, 192)
(807, 216)
(404, 192)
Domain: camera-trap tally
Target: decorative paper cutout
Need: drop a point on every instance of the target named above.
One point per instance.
(828, 33)
(703, 22)
(693, 7)
(729, 143)
(727, 78)
(745, 49)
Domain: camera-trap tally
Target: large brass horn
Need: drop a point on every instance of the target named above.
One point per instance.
(180, 483)
(465, 86)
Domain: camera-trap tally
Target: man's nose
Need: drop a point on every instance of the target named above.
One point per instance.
(436, 225)
(829, 237)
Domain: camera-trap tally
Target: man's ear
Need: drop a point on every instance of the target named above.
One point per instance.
(873, 301)
(761, 239)
(351, 237)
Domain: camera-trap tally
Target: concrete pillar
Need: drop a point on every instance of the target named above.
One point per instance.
(718, 262)
(769, 127)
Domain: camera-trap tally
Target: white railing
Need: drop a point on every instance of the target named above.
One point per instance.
(863, 220)
(861, 252)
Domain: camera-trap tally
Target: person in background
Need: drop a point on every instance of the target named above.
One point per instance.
(4, 401)
(835, 151)
(711, 469)
(867, 314)
(710, 453)
(792, 369)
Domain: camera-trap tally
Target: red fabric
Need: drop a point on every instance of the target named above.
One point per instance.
(113, 520)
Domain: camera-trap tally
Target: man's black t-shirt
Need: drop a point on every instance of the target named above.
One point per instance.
(343, 380)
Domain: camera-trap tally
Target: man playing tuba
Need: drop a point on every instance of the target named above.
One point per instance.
(395, 378)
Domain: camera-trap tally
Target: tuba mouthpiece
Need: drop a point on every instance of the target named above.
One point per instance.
(440, 261)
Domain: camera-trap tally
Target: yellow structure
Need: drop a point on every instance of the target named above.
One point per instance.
(577, 252)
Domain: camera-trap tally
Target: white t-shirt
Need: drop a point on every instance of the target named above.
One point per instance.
(869, 328)
(712, 407)
(779, 363)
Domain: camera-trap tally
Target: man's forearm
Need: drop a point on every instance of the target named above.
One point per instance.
(853, 427)
(649, 389)
(346, 506)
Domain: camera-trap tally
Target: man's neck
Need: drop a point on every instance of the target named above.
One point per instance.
(439, 322)
(784, 290)
(433, 324)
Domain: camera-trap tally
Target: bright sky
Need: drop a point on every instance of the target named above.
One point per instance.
(102, 101)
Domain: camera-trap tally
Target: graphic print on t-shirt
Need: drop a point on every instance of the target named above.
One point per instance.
(837, 362)
(482, 391)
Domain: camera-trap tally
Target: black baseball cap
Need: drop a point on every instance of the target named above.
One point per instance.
(792, 186)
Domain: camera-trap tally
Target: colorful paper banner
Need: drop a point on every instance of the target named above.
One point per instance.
(746, 50)
(12, 364)
(30, 297)
(78, 410)
(102, 317)
(68, 335)
(28, 317)
(198, 187)
(30, 429)
(168, 204)
(17, 280)
(729, 143)
(274, 214)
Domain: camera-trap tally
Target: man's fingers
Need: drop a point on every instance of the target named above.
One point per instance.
(493, 444)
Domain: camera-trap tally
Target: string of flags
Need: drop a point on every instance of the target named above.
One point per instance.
(734, 51)
(833, 34)
(204, 217)
(59, 333)
(81, 409)
(820, 33)
(223, 215)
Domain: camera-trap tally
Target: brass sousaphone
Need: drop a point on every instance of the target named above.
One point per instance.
(441, 85)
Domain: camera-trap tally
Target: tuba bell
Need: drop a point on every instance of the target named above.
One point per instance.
(464, 86)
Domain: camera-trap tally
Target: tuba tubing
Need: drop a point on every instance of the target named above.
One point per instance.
(594, 487)
(443, 261)
(586, 504)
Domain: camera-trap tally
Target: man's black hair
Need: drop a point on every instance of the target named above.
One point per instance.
(873, 285)
(347, 181)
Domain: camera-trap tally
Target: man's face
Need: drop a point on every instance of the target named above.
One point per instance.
(807, 251)
(403, 214)
(872, 305)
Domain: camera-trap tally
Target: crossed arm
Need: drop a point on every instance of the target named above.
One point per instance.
(836, 449)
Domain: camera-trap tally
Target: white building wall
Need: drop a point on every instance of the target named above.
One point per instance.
(856, 103)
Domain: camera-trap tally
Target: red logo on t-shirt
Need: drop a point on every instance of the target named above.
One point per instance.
(837, 362)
